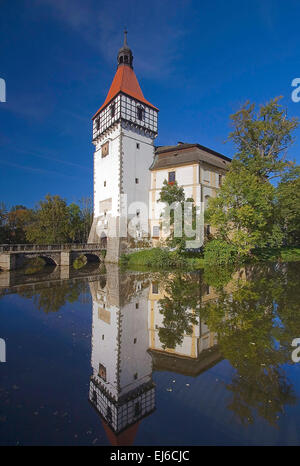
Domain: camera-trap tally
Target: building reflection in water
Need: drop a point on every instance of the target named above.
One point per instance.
(126, 348)
(121, 387)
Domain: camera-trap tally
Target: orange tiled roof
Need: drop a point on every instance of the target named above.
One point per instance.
(125, 438)
(125, 81)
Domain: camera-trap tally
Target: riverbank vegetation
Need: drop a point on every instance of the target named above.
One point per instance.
(255, 215)
(51, 221)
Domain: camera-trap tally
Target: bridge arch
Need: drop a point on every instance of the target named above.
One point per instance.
(48, 259)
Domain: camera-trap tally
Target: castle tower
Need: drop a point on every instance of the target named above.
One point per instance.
(124, 129)
(121, 387)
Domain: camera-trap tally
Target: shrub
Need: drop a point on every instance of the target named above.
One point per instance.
(219, 252)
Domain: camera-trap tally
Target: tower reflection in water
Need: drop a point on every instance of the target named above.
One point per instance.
(126, 348)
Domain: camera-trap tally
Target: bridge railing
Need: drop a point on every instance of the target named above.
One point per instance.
(50, 247)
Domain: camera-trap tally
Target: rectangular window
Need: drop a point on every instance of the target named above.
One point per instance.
(171, 177)
(155, 288)
(137, 145)
(112, 110)
(136, 305)
(105, 149)
(104, 184)
(140, 113)
(156, 231)
(102, 372)
(220, 180)
(136, 181)
(98, 124)
(206, 176)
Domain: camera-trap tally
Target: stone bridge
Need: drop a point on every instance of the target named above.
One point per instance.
(13, 256)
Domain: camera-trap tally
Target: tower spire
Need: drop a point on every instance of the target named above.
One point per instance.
(125, 56)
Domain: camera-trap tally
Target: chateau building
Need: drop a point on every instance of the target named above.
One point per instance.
(129, 171)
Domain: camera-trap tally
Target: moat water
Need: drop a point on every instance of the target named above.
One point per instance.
(102, 356)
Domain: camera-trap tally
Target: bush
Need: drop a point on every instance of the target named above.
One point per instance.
(219, 252)
(80, 262)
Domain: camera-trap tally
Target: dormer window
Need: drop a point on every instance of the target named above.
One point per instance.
(112, 110)
(140, 113)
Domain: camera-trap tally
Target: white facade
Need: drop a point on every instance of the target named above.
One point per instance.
(121, 387)
(124, 151)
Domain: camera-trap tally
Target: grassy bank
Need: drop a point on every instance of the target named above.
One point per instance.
(157, 258)
(163, 259)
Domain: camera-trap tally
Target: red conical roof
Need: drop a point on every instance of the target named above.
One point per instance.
(125, 438)
(125, 81)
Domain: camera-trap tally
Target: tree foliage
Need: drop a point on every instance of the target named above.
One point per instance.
(249, 211)
(179, 213)
(52, 221)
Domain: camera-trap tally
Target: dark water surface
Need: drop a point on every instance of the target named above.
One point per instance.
(109, 357)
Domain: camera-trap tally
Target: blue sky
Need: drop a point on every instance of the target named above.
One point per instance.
(197, 61)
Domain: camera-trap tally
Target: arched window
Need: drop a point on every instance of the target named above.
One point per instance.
(121, 59)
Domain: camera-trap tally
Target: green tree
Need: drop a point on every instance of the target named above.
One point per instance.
(179, 307)
(288, 195)
(244, 211)
(3, 224)
(179, 213)
(51, 224)
(18, 219)
(262, 137)
(254, 325)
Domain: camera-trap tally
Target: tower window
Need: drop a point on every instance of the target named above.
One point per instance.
(126, 59)
(105, 149)
(140, 113)
(102, 372)
(121, 59)
(171, 177)
(137, 409)
(112, 110)
(109, 414)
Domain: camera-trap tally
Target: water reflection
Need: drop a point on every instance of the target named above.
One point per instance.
(183, 323)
